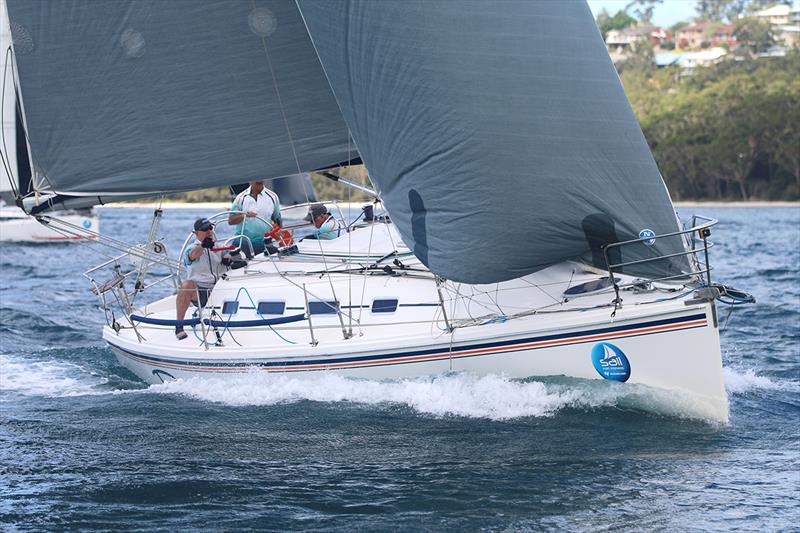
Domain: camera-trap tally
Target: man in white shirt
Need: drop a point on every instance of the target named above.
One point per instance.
(257, 211)
(205, 266)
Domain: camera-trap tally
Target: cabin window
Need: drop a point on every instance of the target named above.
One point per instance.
(384, 306)
(230, 308)
(271, 308)
(323, 308)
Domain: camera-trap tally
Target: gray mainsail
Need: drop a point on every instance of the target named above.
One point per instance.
(135, 98)
(498, 133)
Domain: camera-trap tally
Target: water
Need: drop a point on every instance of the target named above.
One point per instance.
(85, 445)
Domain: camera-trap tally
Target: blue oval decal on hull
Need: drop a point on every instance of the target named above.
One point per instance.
(610, 362)
(87, 223)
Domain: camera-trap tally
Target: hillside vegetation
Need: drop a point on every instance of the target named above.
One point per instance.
(729, 131)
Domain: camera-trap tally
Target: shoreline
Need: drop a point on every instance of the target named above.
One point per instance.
(223, 206)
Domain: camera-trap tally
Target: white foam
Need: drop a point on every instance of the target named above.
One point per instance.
(741, 381)
(46, 378)
(493, 397)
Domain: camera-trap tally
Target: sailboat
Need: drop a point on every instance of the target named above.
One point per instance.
(15, 224)
(519, 226)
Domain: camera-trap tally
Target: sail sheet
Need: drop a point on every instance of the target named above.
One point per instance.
(498, 133)
(136, 98)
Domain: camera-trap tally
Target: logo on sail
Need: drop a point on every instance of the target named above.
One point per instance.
(649, 235)
(610, 362)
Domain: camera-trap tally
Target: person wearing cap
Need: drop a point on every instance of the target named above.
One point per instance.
(327, 227)
(257, 210)
(205, 266)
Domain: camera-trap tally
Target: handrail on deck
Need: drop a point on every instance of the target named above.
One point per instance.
(702, 230)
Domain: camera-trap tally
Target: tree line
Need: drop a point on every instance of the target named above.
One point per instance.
(730, 131)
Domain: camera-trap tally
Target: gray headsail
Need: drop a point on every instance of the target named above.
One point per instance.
(498, 133)
(128, 98)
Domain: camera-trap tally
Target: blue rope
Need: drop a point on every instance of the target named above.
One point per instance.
(227, 323)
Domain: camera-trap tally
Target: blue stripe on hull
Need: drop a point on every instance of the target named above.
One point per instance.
(386, 359)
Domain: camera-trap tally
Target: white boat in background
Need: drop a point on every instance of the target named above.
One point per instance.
(521, 224)
(17, 226)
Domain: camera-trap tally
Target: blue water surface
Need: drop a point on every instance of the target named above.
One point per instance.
(86, 445)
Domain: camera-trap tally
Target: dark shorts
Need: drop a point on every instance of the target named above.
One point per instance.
(203, 293)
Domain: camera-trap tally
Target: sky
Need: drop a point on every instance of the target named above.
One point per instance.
(666, 14)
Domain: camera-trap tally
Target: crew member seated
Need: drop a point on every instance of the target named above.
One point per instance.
(205, 266)
(327, 227)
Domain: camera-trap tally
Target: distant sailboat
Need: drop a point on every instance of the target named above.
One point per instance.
(528, 227)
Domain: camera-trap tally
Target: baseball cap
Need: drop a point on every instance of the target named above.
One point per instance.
(202, 224)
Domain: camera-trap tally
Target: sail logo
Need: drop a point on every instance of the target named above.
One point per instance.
(610, 362)
(649, 235)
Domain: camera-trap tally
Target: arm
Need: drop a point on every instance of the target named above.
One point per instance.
(236, 218)
(195, 252)
(276, 214)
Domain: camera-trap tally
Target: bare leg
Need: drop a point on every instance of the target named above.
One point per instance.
(185, 296)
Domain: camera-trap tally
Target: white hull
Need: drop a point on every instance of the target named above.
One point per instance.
(15, 226)
(675, 350)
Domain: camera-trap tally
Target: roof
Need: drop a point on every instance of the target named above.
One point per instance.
(702, 26)
(666, 59)
(778, 10)
(639, 30)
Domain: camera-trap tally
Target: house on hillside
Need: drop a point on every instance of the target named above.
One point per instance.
(688, 61)
(627, 38)
(776, 15)
(705, 35)
(789, 35)
(785, 21)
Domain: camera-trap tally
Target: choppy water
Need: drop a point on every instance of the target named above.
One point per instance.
(85, 445)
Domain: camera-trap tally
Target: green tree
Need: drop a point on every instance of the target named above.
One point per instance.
(719, 10)
(641, 58)
(753, 35)
(643, 9)
(619, 21)
(728, 131)
(783, 120)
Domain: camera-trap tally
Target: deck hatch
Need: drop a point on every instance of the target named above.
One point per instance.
(230, 308)
(271, 308)
(384, 306)
(330, 307)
